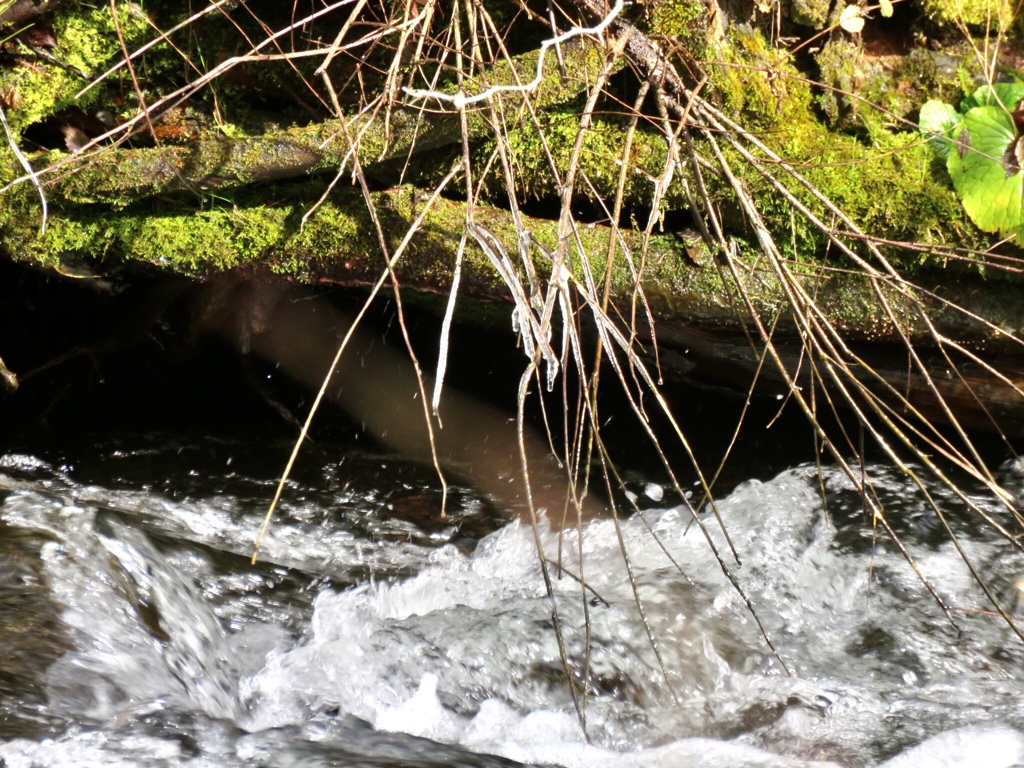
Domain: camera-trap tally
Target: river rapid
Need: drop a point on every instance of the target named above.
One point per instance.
(374, 633)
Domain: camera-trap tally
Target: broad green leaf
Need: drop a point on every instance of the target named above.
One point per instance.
(993, 199)
(851, 20)
(1004, 94)
(938, 123)
(886, 8)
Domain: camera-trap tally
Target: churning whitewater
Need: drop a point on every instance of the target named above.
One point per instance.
(364, 637)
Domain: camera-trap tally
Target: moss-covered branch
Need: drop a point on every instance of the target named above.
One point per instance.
(836, 180)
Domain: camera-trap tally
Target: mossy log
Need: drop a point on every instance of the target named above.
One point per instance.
(231, 199)
(701, 330)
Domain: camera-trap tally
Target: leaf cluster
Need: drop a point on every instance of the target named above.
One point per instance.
(984, 152)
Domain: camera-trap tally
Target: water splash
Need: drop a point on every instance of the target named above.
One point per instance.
(182, 656)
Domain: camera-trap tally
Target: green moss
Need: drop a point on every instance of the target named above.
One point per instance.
(88, 41)
(996, 15)
(758, 82)
(338, 243)
(853, 81)
(811, 13)
(882, 178)
(864, 93)
(600, 158)
(946, 75)
(683, 21)
(889, 188)
(879, 175)
(189, 242)
(583, 60)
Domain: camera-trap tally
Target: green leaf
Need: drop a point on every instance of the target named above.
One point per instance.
(997, 94)
(992, 190)
(938, 123)
(851, 19)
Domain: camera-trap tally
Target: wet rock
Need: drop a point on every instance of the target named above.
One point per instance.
(31, 634)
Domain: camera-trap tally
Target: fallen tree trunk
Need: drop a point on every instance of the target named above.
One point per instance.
(224, 201)
(703, 333)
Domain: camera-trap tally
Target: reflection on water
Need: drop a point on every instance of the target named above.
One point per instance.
(375, 633)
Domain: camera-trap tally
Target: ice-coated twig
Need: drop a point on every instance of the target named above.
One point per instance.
(535, 332)
(459, 100)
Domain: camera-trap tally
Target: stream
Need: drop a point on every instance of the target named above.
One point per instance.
(372, 632)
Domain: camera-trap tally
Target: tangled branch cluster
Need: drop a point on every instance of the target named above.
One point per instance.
(404, 81)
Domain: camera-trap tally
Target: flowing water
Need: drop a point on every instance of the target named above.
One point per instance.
(373, 633)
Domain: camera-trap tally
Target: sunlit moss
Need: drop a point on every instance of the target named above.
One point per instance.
(685, 22)
(600, 159)
(879, 173)
(996, 15)
(759, 82)
(89, 42)
(876, 172)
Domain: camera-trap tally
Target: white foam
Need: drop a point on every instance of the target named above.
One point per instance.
(91, 750)
(550, 737)
(972, 747)
(464, 651)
